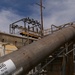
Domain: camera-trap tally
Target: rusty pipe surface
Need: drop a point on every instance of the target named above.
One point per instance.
(31, 55)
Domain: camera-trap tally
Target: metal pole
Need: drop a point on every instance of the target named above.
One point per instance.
(41, 17)
(64, 65)
(10, 28)
(41, 11)
(70, 64)
(24, 26)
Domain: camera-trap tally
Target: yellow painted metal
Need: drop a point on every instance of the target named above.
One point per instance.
(33, 35)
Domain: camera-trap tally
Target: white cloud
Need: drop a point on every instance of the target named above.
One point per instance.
(60, 12)
(6, 18)
(57, 12)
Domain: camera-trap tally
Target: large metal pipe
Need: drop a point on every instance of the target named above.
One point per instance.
(29, 56)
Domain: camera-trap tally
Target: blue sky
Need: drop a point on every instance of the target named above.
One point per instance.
(56, 12)
(20, 7)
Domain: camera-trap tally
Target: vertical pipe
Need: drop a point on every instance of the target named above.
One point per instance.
(64, 65)
(25, 26)
(10, 28)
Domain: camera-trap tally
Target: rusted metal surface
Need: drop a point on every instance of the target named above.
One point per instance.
(29, 56)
